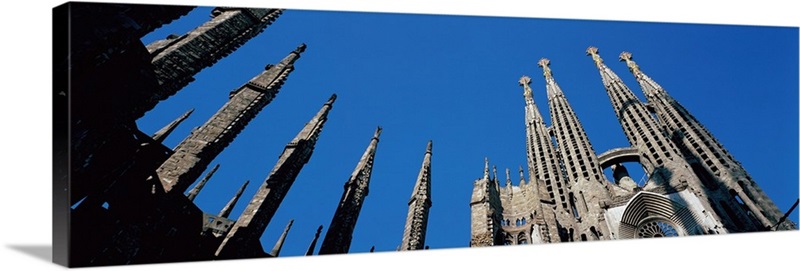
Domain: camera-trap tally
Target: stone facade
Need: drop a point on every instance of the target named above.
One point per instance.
(694, 185)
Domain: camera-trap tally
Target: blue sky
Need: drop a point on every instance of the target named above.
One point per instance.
(453, 80)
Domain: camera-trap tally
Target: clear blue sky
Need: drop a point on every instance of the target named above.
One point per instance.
(453, 79)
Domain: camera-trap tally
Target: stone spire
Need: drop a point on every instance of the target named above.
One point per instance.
(486, 210)
(199, 186)
(178, 58)
(710, 161)
(162, 134)
(542, 162)
(419, 206)
(639, 127)
(579, 158)
(340, 232)
(486, 168)
(276, 250)
(194, 153)
(226, 211)
(313, 244)
(242, 240)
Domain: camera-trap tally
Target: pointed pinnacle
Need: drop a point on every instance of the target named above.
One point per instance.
(377, 134)
(525, 82)
(494, 172)
(429, 149)
(595, 53)
(226, 211)
(197, 188)
(632, 66)
(331, 99)
(162, 134)
(276, 250)
(486, 168)
(313, 244)
(544, 63)
(521, 174)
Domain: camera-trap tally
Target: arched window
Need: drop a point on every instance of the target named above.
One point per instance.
(523, 221)
(656, 228)
(518, 223)
(502, 222)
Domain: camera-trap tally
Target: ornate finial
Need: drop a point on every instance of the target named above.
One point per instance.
(494, 172)
(592, 51)
(508, 175)
(525, 82)
(486, 168)
(521, 173)
(628, 58)
(544, 63)
(301, 48)
(377, 133)
(429, 149)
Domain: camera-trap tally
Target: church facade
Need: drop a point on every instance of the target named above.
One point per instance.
(122, 197)
(694, 186)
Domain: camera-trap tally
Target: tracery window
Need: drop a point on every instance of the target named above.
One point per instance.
(656, 228)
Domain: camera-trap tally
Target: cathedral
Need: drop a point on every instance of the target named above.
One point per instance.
(693, 187)
(122, 197)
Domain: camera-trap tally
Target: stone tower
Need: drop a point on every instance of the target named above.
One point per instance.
(486, 211)
(243, 238)
(727, 181)
(588, 185)
(340, 232)
(418, 206)
(194, 153)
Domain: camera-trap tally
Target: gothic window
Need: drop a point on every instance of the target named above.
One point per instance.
(518, 222)
(523, 221)
(656, 228)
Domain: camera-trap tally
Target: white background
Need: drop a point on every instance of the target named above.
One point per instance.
(26, 136)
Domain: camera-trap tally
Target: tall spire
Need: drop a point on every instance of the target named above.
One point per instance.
(196, 189)
(163, 133)
(313, 244)
(419, 206)
(276, 250)
(581, 166)
(710, 161)
(340, 232)
(194, 153)
(637, 123)
(228, 29)
(542, 162)
(576, 150)
(242, 240)
(226, 211)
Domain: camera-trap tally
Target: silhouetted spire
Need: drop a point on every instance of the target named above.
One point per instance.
(196, 189)
(162, 134)
(178, 58)
(276, 250)
(243, 236)
(313, 244)
(340, 232)
(226, 211)
(194, 153)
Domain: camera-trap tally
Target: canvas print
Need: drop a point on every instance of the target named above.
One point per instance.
(187, 133)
